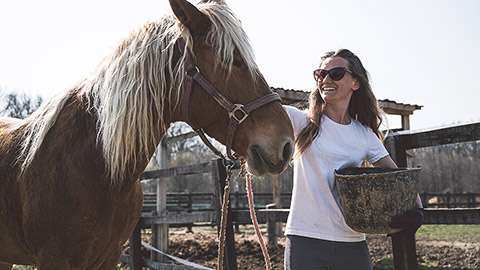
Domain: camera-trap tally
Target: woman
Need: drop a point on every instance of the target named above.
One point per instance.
(340, 129)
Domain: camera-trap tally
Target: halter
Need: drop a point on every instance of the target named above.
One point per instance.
(236, 112)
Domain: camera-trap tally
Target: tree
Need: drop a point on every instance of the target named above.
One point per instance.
(449, 168)
(20, 105)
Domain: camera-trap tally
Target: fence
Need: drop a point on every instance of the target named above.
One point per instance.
(397, 144)
(198, 202)
(154, 218)
(404, 250)
(450, 200)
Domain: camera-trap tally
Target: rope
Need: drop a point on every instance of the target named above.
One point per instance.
(223, 222)
(182, 261)
(255, 223)
(253, 216)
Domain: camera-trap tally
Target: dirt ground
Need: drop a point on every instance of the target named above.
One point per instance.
(201, 247)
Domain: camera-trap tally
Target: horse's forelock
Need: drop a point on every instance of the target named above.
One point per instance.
(227, 35)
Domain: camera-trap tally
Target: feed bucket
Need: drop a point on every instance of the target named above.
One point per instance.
(371, 197)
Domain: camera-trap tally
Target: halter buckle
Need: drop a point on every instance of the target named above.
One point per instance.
(191, 72)
(238, 108)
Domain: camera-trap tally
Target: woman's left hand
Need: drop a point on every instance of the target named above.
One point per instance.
(409, 221)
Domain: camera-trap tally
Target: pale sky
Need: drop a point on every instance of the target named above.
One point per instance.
(423, 52)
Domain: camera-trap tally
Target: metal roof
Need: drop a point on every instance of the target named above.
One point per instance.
(299, 98)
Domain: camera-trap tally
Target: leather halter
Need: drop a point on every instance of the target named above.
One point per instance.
(236, 112)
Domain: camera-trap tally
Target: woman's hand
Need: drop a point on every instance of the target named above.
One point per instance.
(409, 221)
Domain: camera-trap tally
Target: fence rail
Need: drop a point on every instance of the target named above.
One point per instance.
(450, 200)
(195, 202)
(449, 216)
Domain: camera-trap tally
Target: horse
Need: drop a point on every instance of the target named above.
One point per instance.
(70, 193)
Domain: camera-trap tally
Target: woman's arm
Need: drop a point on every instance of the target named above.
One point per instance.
(387, 162)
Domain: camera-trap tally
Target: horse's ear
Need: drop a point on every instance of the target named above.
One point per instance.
(197, 22)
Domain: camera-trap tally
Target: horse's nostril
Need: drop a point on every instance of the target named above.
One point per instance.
(287, 151)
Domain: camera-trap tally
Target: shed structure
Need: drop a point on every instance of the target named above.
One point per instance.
(299, 99)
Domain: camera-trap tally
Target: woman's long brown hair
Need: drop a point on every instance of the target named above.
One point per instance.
(363, 105)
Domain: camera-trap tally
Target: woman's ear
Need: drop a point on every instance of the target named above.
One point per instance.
(356, 85)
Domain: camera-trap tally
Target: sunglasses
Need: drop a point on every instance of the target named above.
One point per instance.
(335, 74)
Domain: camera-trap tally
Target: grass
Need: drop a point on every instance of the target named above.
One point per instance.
(453, 233)
(449, 233)
(23, 267)
(389, 261)
(429, 264)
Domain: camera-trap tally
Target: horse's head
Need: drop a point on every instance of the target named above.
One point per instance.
(221, 51)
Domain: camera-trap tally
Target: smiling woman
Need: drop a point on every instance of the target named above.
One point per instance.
(339, 130)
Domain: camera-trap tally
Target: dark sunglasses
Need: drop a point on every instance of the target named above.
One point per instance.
(336, 74)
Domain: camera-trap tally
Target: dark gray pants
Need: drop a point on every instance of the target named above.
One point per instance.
(303, 253)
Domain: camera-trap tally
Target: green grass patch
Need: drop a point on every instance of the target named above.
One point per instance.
(428, 264)
(386, 262)
(23, 267)
(459, 233)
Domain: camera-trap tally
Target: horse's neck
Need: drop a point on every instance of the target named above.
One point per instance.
(150, 124)
(80, 117)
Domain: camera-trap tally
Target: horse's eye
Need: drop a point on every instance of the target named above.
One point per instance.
(235, 63)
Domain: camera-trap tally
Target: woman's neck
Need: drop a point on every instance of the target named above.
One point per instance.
(338, 114)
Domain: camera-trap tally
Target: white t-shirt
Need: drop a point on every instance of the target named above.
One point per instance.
(315, 210)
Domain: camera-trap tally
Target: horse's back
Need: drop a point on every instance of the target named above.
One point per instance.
(9, 130)
(10, 123)
(10, 226)
(10, 143)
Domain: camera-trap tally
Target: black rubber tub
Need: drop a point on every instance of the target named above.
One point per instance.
(371, 197)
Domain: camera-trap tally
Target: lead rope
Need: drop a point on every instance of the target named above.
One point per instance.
(223, 221)
(253, 216)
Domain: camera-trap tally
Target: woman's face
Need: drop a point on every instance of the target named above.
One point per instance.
(336, 91)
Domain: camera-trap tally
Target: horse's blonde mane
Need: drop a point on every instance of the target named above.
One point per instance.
(129, 89)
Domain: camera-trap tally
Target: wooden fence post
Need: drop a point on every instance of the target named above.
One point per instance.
(277, 200)
(236, 195)
(403, 245)
(404, 252)
(136, 259)
(272, 228)
(160, 231)
(230, 258)
(189, 210)
(448, 200)
(424, 197)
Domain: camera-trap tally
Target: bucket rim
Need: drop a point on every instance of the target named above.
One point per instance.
(393, 172)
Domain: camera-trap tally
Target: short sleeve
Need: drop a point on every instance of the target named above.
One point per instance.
(297, 117)
(376, 149)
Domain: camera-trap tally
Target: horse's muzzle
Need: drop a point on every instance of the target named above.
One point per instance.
(260, 162)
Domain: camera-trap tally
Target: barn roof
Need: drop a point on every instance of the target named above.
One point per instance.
(299, 98)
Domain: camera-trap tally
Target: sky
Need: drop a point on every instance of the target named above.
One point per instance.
(417, 52)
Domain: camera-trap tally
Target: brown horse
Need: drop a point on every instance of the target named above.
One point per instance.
(70, 193)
